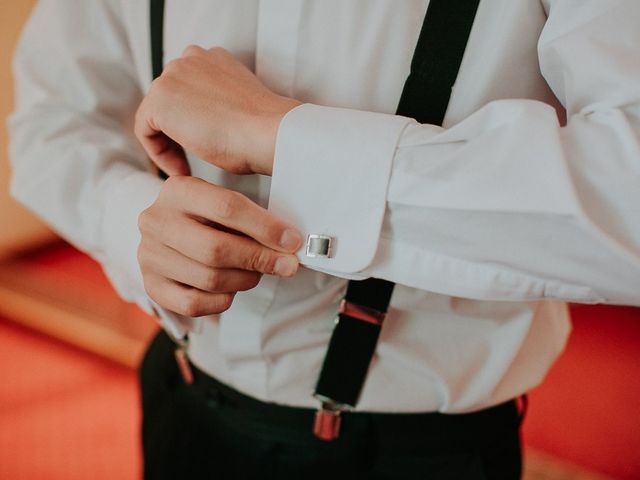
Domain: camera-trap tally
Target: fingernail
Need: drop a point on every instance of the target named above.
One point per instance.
(291, 240)
(286, 266)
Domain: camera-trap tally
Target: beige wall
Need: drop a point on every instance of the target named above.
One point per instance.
(18, 228)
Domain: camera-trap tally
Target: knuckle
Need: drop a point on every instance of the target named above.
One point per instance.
(137, 130)
(217, 50)
(166, 85)
(224, 302)
(191, 50)
(254, 281)
(226, 204)
(176, 184)
(153, 223)
(139, 119)
(215, 252)
(224, 208)
(170, 68)
(141, 257)
(147, 286)
(146, 220)
(213, 280)
(138, 116)
(190, 304)
(270, 231)
(262, 261)
(172, 183)
(150, 288)
(158, 84)
(143, 221)
(148, 260)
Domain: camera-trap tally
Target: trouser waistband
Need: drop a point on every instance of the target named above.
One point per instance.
(205, 428)
(442, 432)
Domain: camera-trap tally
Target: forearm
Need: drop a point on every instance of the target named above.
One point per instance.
(75, 160)
(550, 214)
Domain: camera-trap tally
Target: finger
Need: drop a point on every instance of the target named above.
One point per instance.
(164, 152)
(185, 300)
(171, 264)
(167, 155)
(237, 212)
(223, 250)
(193, 51)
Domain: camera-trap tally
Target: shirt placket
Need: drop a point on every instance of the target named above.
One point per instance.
(276, 52)
(242, 327)
(277, 44)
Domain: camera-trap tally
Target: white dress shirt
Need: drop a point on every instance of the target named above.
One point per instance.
(528, 195)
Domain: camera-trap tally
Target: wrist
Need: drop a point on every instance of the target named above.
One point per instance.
(267, 128)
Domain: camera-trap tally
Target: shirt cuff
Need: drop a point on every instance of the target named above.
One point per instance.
(330, 176)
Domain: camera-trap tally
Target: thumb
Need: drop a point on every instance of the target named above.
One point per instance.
(167, 155)
(163, 151)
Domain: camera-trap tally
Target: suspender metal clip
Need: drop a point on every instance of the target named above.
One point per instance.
(326, 425)
(183, 364)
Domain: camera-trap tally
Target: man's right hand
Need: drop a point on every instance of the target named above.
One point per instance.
(201, 244)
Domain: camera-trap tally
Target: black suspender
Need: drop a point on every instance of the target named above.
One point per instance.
(436, 60)
(156, 29)
(425, 96)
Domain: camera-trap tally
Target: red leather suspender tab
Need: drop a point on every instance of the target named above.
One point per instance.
(425, 96)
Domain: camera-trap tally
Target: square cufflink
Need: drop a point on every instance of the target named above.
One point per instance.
(319, 246)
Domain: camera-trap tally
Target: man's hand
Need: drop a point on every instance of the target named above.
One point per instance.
(194, 255)
(212, 105)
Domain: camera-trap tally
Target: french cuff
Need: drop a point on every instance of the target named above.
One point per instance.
(330, 176)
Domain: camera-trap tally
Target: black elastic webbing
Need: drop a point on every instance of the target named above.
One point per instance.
(437, 58)
(156, 30)
(425, 97)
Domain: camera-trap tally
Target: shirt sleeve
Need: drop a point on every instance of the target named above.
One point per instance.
(75, 160)
(507, 204)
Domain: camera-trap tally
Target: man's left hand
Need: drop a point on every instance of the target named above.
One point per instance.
(212, 105)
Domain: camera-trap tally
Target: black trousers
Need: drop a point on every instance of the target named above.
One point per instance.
(208, 430)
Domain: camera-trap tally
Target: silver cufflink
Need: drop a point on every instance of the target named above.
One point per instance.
(319, 245)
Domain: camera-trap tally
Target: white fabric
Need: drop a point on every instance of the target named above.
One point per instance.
(480, 223)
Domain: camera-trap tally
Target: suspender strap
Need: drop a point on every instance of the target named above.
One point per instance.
(156, 29)
(425, 96)
(437, 59)
(353, 343)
